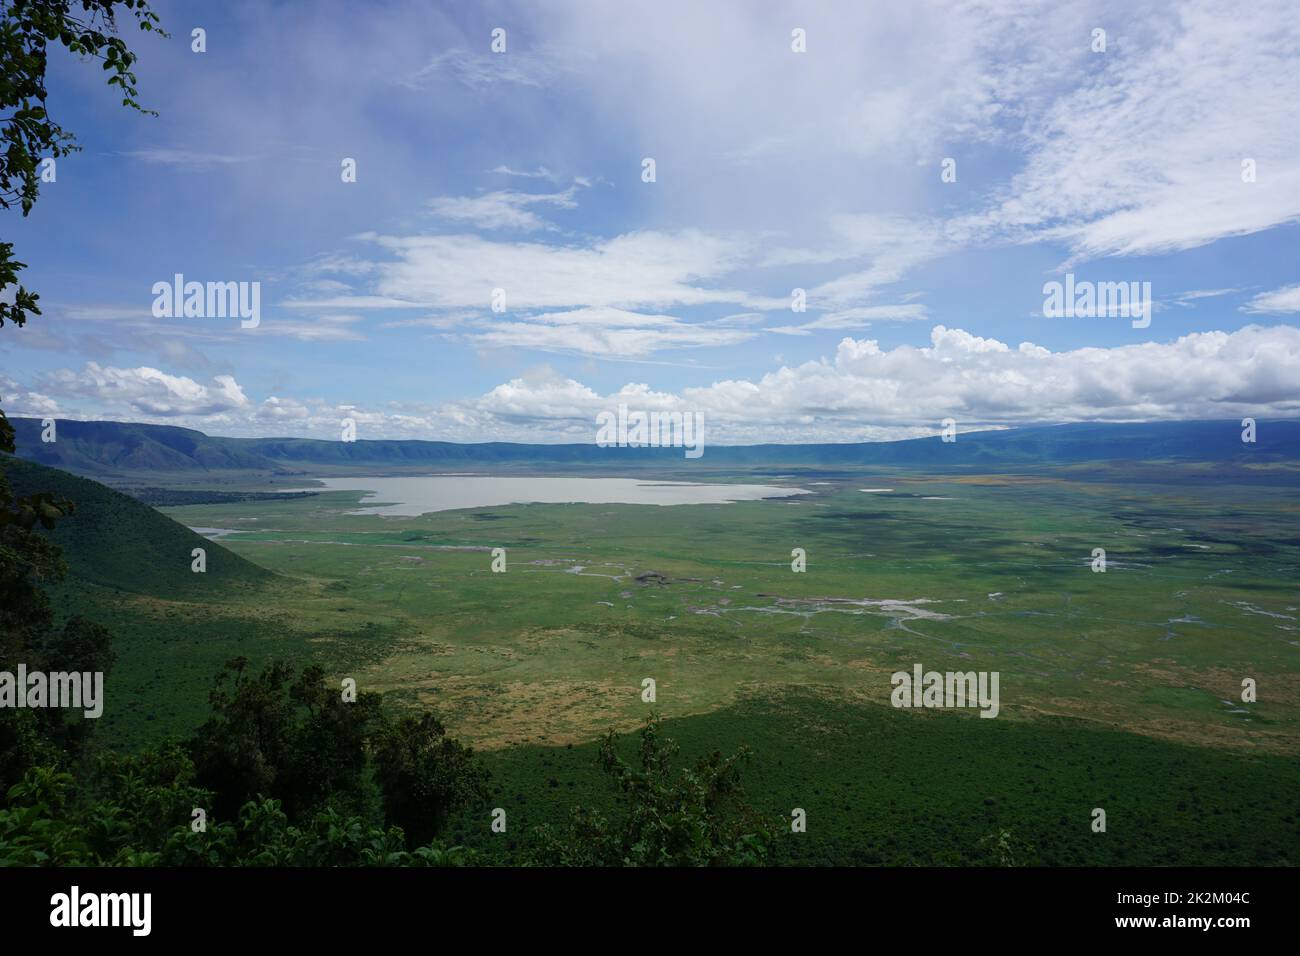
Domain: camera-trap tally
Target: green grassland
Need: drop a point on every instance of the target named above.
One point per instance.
(1118, 690)
(991, 573)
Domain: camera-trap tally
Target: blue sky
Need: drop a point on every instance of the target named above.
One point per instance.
(775, 170)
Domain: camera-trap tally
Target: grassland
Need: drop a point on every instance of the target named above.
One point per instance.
(1119, 690)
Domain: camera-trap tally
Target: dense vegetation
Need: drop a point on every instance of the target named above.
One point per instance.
(165, 497)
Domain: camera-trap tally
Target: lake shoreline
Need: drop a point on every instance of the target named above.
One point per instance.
(411, 496)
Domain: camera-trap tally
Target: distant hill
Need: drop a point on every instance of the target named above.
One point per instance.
(117, 449)
(115, 541)
(96, 448)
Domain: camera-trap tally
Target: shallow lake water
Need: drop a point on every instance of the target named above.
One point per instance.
(411, 496)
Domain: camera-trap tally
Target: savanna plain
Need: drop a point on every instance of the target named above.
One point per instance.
(1119, 689)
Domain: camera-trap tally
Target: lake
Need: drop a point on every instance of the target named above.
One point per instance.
(420, 495)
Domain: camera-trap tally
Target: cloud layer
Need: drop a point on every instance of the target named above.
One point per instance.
(860, 393)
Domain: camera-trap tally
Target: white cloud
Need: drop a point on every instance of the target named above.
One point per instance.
(604, 317)
(109, 313)
(818, 170)
(1195, 295)
(541, 172)
(637, 269)
(607, 342)
(326, 286)
(443, 321)
(190, 159)
(857, 318)
(604, 331)
(340, 265)
(887, 245)
(1286, 299)
(478, 70)
(1146, 156)
(866, 392)
(1133, 151)
(503, 209)
(352, 302)
(145, 391)
(861, 392)
(325, 328)
(739, 320)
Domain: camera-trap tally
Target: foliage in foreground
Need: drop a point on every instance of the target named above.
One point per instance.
(284, 773)
(43, 827)
(140, 810)
(696, 817)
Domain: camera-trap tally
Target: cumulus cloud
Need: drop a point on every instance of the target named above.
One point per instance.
(144, 391)
(865, 392)
(862, 392)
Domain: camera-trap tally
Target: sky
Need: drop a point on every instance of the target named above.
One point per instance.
(919, 170)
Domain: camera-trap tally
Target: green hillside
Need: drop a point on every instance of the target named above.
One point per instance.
(114, 541)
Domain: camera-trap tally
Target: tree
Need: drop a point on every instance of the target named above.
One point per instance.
(326, 756)
(1004, 848)
(697, 818)
(300, 743)
(297, 741)
(27, 560)
(85, 28)
(424, 775)
(140, 815)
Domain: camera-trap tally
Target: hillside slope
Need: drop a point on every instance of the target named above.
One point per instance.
(115, 541)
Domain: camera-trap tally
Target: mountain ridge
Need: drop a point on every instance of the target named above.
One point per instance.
(106, 448)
